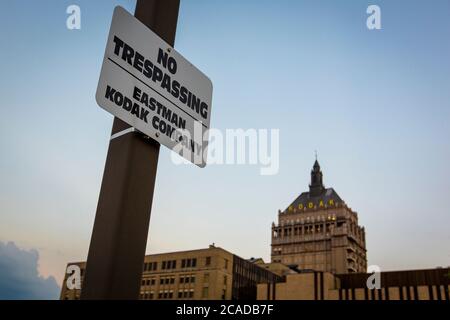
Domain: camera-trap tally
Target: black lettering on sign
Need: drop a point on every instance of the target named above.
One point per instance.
(166, 61)
(137, 94)
(148, 67)
(138, 62)
(110, 93)
(135, 110)
(118, 99)
(144, 114)
(163, 127)
(126, 103)
(158, 75)
(119, 45)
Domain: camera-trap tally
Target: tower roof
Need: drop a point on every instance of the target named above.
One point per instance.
(328, 198)
(316, 164)
(318, 196)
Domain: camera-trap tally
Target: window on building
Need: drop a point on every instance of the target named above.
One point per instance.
(205, 293)
(191, 294)
(224, 294)
(208, 261)
(169, 264)
(206, 277)
(225, 280)
(226, 264)
(150, 266)
(189, 263)
(193, 279)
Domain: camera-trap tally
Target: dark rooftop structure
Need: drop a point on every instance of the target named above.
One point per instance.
(318, 195)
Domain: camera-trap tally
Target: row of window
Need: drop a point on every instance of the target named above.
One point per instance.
(185, 294)
(182, 294)
(148, 282)
(169, 280)
(172, 264)
(187, 279)
(189, 263)
(150, 266)
(308, 229)
(330, 217)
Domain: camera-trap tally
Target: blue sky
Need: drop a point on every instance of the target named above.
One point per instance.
(375, 104)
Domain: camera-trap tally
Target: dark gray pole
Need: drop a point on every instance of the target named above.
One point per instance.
(119, 237)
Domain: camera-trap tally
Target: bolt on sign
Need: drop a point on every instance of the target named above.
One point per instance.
(149, 85)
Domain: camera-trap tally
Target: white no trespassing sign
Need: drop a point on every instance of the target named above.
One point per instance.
(150, 86)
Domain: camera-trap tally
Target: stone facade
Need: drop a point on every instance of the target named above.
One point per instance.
(204, 274)
(430, 284)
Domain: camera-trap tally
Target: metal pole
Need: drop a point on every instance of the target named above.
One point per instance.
(119, 237)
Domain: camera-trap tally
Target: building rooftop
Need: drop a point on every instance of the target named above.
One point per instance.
(326, 198)
(317, 196)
